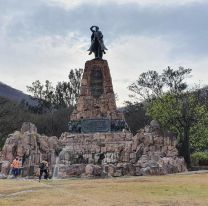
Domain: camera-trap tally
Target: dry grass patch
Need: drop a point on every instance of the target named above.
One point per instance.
(175, 190)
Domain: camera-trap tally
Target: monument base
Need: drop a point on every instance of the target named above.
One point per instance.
(97, 125)
(96, 109)
(96, 154)
(97, 98)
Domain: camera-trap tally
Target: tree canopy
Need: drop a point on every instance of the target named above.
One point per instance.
(177, 108)
(63, 95)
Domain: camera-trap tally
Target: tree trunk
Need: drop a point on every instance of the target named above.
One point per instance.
(186, 146)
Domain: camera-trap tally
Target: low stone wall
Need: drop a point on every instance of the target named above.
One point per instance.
(89, 155)
(118, 154)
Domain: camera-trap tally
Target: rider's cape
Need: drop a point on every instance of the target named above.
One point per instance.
(97, 35)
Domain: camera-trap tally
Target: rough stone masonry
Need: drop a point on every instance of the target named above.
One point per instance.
(96, 105)
(93, 155)
(96, 99)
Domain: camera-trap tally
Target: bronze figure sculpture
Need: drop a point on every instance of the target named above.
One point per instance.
(97, 44)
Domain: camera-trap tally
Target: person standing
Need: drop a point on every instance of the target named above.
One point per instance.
(20, 167)
(15, 167)
(43, 169)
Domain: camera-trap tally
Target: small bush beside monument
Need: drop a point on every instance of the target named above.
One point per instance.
(200, 159)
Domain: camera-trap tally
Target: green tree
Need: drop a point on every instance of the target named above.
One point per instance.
(64, 94)
(199, 131)
(178, 113)
(151, 84)
(36, 89)
(53, 101)
(48, 93)
(135, 116)
(175, 108)
(74, 85)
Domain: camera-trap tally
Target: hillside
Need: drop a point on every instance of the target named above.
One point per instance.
(14, 94)
(12, 115)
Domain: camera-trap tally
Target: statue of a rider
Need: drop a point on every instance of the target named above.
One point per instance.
(97, 45)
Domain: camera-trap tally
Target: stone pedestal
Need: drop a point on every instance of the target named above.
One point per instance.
(97, 99)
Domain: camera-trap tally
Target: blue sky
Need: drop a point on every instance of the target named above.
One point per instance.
(44, 39)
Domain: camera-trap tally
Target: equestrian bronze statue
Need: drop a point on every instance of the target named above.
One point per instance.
(97, 44)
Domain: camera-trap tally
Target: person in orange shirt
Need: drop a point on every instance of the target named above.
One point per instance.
(15, 166)
(20, 167)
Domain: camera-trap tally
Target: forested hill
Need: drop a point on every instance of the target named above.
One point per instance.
(14, 94)
(12, 115)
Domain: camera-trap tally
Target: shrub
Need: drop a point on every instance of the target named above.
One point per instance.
(200, 158)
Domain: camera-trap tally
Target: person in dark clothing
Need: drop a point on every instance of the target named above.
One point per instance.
(43, 169)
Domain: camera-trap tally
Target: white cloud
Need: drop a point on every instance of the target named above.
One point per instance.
(74, 3)
(49, 57)
(5, 20)
(43, 42)
(131, 56)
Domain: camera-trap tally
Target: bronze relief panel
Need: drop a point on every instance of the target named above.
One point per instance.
(96, 82)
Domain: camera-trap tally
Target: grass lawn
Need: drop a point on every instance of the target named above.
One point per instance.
(172, 190)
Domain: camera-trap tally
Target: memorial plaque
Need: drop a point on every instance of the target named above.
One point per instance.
(96, 82)
(96, 125)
